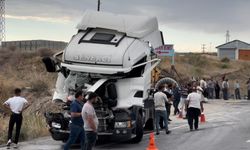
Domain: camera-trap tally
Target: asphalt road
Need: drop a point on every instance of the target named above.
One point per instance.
(227, 127)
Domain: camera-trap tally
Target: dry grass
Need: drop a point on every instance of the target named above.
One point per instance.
(26, 70)
(33, 126)
(44, 52)
(3, 129)
(198, 66)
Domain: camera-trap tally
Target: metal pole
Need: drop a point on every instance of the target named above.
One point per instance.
(98, 5)
(2, 20)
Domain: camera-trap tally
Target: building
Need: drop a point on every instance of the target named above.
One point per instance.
(30, 45)
(235, 50)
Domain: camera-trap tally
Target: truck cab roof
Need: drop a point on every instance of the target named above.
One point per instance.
(133, 26)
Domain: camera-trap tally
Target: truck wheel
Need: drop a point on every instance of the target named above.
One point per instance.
(138, 130)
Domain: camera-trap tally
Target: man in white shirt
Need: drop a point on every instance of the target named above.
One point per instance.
(194, 108)
(90, 121)
(17, 105)
(203, 85)
(160, 99)
(225, 88)
(237, 90)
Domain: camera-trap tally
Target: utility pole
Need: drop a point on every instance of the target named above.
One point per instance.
(2, 21)
(203, 47)
(227, 36)
(98, 5)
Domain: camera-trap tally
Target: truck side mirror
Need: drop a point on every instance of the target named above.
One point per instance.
(50, 64)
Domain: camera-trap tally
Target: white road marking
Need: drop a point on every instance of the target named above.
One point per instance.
(248, 141)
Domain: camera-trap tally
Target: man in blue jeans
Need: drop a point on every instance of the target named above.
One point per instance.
(160, 110)
(76, 126)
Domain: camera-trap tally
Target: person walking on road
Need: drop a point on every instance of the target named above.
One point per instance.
(17, 105)
(237, 90)
(225, 87)
(76, 126)
(194, 108)
(217, 90)
(177, 97)
(248, 89)
(90, 121)
(169, 92)
(185, 90)
(160, 99)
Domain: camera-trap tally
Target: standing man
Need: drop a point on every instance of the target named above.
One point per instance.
(90, 120)
(237, 90)
(248, 89)
(217, 90)
(203, 85)
(169, 93)
(177, 98)
(160, 109)
(194, 108)
(17, 105)
(210, 88)
(225, 87)
(76, 126)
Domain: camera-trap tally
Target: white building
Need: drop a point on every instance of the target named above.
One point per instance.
(235, 50)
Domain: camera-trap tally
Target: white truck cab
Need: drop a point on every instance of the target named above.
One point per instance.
(111, 55)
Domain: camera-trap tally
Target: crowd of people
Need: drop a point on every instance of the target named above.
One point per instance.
(187, 101)
(214, 89)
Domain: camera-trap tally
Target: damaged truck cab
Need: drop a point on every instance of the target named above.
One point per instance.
(111, 55)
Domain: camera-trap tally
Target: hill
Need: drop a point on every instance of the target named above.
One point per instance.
(207, 66)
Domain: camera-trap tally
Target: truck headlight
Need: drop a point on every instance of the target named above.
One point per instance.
(126, 124)
(56, 125)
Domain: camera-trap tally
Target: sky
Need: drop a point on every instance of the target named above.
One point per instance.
(188, 24)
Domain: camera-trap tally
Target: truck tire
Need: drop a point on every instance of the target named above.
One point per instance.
(138, 130)
(166, 80)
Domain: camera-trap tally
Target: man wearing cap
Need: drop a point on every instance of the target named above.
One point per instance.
(17, 105)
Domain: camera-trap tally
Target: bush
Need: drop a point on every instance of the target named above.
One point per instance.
(39, 86)
(197, 60)
(224, 66)
(33, 126)
(12, 48)
(225, 60)
(3, 129)
(45, 52)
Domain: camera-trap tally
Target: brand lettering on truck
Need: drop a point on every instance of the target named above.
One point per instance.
(93, 59)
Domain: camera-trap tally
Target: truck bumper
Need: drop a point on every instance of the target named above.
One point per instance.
(59, 135)
(116, 136)
(122, 134)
